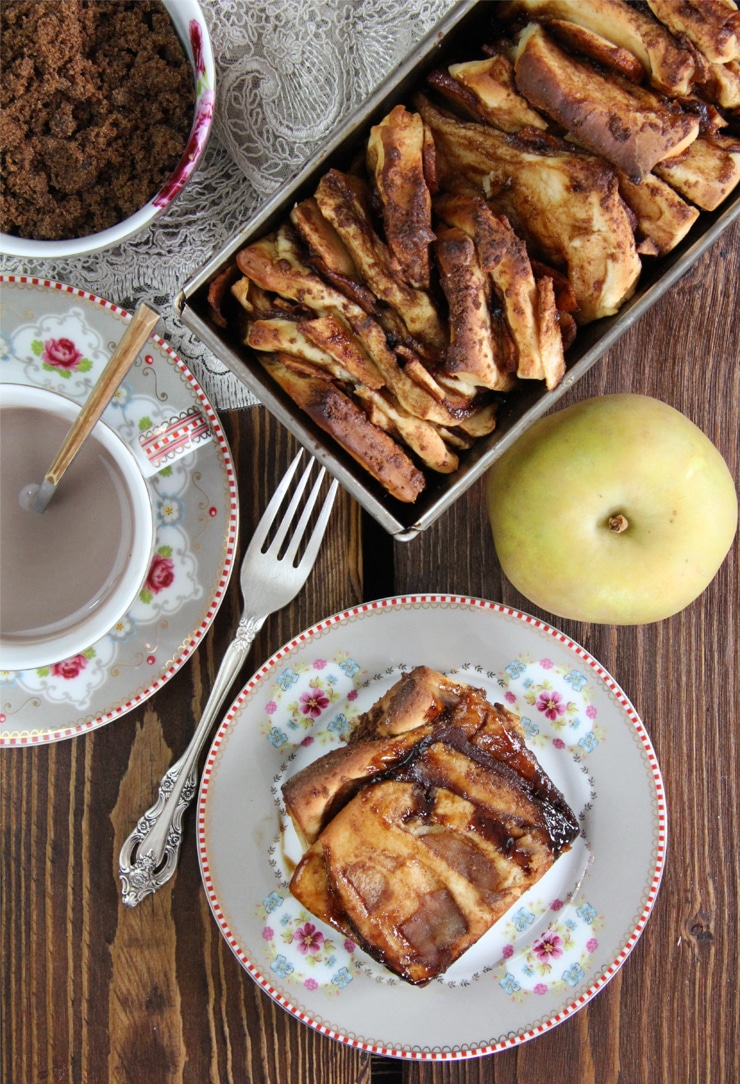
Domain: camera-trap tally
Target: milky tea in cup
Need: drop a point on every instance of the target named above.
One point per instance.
(67, 574)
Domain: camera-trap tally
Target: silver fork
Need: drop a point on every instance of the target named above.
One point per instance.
(269, 580)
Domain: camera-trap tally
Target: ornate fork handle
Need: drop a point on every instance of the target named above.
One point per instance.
(149, 856)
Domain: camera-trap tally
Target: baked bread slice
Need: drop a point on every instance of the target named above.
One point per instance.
(426, 827)
(630, 126)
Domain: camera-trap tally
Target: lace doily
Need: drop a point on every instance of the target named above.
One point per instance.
(288, 72)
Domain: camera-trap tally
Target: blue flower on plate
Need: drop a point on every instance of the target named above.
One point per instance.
(588, 742)
(124, 628)
(349, 667)
(522, 919)
(587, 913)
(509, 984)
(287, 679)
(576, 680)
(339, 724)
(530, 729)
(282, 967)
(574, 974)
(122, 396)
(169, 509)
(515, 669)
(342, 978)
(277, 737)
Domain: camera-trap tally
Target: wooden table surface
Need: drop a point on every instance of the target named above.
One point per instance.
(93, 992)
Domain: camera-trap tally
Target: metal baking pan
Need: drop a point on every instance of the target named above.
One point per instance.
(457, 36)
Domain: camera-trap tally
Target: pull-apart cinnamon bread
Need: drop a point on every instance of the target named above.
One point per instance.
(427, 826)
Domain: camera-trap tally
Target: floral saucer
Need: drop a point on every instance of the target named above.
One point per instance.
(555, 948)
(57, 337)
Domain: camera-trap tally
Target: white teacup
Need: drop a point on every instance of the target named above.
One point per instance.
(67, 575)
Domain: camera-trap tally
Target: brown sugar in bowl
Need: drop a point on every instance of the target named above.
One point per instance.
(148, 190)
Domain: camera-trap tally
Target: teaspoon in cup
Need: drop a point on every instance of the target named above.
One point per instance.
(34, 497)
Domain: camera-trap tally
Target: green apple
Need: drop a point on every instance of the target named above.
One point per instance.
(617, 510)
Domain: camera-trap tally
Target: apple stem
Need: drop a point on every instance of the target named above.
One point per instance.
(618, 523)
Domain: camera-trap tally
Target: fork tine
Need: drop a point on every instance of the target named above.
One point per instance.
(287, 517)
(300, 528)
(269, 514)
(306, 562)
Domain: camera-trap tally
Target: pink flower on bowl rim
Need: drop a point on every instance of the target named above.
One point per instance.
(196, 41)
(200, 130)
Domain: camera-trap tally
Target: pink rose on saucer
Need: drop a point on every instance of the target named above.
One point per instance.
(161, 573)
(69, 668)
(61, 353)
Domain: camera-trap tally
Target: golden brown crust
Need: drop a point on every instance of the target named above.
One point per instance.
(471, 351)
(627, 125)
(313, 795)
(275, 266)
(423, 438)
(427, 827)
(712, 25)
(593, 45)
(343, 200)
(332, 335)
(722, 84)
(706, 173)
(554, 195)
(548, 334)
(338, 415)
(489, 89)
(396, 152)
(669, 67)
(662, 216)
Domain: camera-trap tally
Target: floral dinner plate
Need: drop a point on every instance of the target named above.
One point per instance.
(57, 337)
(555, 948)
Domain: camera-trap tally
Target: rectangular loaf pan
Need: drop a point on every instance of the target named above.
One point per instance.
(458, 36)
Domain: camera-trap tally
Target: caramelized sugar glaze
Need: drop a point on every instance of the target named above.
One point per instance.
(427, 826)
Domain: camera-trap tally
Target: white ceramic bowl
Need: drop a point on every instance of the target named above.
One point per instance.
(192, 30)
